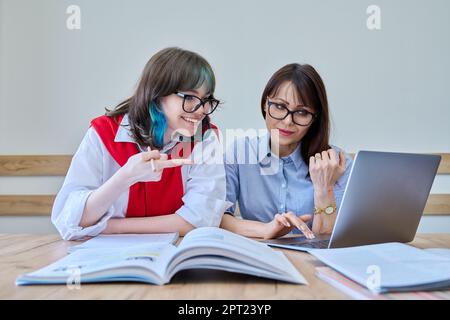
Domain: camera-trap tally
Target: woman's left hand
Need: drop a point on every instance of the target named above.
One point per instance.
(326, 168)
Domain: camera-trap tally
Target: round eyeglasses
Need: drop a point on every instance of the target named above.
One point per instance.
(301, 117)
(192, 103)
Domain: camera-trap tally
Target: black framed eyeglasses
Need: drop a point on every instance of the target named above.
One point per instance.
(301, 117)
(192, 103)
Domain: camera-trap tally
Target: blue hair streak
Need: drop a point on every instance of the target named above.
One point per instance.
(159, 124)
(206, 77)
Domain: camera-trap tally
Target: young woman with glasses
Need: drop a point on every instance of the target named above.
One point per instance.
(134, 171)
(305, 189)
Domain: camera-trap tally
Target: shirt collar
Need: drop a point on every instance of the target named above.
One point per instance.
(295, 156)
(123, 133)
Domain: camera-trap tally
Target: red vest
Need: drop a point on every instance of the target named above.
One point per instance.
(154, 198)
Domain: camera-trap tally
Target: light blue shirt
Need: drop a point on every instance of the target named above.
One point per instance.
(286, 187)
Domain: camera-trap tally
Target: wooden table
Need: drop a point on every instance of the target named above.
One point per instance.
(25, 253)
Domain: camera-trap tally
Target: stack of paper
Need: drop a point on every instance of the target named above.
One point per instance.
(390, 267)
(359, 292)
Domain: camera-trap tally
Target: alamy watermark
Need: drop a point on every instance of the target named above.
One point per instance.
(74, 279)
(237, 146)
(373, 21)
(73, 21)
(373, 282)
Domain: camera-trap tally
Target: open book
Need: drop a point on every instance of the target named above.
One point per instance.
(390, 267)
(157, 263)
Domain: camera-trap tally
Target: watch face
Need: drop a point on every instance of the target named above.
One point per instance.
(329, 210)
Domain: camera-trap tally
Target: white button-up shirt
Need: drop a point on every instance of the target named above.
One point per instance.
(204, 184)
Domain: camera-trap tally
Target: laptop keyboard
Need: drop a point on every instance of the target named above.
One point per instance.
(319, 244)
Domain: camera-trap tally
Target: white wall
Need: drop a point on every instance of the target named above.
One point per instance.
(387, 89)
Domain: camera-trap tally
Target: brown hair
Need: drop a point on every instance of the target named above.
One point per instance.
(310, 90)
(169, 70)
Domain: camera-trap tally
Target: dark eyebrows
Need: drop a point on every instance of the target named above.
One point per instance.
(281, 100)
(287, 103)
(196, 93)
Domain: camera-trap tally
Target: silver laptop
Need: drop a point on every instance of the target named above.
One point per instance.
(383, 201)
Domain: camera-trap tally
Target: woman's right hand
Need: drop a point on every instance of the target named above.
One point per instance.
(284, 223)
(148, 166)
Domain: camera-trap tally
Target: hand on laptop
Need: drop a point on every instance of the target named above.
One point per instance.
(285, 222)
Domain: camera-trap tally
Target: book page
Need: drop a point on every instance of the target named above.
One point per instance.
(220, 238)
(217, 241)
(443, 252)
(88, 262)
(124, 240)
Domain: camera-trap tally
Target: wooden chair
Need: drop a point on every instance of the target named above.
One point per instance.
(57, 165)
(31, 166)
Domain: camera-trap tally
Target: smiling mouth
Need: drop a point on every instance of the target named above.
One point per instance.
(191, 120)
(285, 132)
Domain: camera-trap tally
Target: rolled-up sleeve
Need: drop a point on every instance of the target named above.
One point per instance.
(83, 177)
(204, 200)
